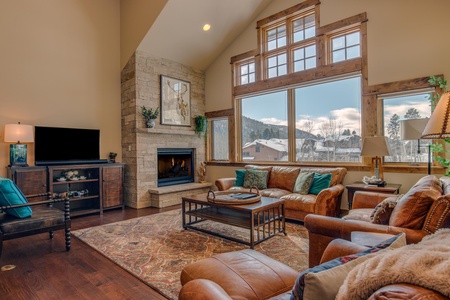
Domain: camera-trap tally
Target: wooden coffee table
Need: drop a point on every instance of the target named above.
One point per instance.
(264, 219)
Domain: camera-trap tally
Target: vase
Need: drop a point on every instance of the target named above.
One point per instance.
(150, 123)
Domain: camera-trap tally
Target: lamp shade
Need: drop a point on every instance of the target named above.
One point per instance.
(375, 146)
(18, 133)
(411, 129)
(438, 126)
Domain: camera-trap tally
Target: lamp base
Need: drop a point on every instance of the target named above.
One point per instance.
(18, 155)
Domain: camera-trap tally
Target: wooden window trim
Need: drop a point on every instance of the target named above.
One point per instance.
(337, 34)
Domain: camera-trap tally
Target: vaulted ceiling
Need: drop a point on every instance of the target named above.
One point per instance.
(177, 32)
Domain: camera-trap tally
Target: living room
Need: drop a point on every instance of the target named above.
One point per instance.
(63, 63)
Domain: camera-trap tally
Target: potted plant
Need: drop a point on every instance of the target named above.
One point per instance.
(112, 157)
(201, 124)
(149, 116)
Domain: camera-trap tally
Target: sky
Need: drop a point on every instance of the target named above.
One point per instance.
(338, 100)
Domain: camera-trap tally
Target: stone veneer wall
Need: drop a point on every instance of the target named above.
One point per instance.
(141, 86)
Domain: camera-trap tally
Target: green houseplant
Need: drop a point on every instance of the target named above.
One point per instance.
(149, 116)
(201, 124)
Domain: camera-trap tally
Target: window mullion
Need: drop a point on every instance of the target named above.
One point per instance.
(292, 147)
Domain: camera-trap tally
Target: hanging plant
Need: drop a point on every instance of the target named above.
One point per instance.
(201, 124)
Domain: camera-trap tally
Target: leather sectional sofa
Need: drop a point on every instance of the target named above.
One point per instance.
(280, 184)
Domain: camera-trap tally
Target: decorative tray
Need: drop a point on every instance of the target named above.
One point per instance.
(234, 197)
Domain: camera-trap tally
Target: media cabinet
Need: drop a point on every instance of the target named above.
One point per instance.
(99, 188)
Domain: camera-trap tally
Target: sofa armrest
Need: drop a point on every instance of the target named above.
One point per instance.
(224, 184)
(322, 230)
(202, 289)
(405, 291)
(328, 201)
(368, 199)
(339, 247)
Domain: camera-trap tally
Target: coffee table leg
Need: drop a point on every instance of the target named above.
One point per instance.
(283, 219)
(252, 231)
(183, 213)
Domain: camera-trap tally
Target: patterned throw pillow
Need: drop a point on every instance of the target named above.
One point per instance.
(382, 212)
(303, 183)
(320, 182)
(323, 281)
(240, 175)
(256, 178)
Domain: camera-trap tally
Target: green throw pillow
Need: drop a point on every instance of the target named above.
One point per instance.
(303, 183)
(256, 178)
(10, 195)
(320, 182)
(240, 175)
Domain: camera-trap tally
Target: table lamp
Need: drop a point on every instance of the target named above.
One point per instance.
(411, 129)
(438, 126)
(376, 146)
(18, 134)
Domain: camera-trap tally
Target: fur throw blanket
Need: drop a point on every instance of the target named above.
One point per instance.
(425, 264)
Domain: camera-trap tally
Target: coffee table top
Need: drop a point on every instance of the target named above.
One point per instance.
(263, 204)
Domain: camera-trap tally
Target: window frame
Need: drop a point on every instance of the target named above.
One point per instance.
(343, 33)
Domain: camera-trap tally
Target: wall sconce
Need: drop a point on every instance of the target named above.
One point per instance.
(376, 146)
(18, 134)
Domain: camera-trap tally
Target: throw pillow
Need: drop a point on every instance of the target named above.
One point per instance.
(320, 182)
(240, 175)
(10, 195)
(324, 281)
(256, 178)
(303, 183)
(382, 212)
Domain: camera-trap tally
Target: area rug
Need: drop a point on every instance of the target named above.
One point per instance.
(155, 248)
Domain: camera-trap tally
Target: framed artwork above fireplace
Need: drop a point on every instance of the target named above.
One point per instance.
(175, 101)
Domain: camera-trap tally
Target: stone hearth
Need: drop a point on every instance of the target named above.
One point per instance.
(141, 86)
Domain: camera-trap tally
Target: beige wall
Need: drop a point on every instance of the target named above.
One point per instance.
(405, 40)
(60, 65)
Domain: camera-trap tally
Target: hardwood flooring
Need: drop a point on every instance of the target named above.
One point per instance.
(44, 270)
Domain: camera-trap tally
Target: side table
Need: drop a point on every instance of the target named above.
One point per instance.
(390, 188)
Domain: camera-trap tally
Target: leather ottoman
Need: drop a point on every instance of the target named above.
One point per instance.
(245, 274)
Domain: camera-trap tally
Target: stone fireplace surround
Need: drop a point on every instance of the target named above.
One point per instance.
(140, 80)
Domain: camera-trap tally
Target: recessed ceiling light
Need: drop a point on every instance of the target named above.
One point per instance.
(206, 27)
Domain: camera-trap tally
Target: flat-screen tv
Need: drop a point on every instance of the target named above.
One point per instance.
(57, 145)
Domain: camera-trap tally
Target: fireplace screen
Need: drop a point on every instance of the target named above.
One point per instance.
(175, 166)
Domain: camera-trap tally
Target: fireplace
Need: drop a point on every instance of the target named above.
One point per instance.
(175, 166)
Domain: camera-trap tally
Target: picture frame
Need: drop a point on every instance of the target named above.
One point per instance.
(175, 101)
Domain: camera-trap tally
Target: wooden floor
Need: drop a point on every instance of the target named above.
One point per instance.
(44, 270)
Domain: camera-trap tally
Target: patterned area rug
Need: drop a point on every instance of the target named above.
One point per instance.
(156, 248)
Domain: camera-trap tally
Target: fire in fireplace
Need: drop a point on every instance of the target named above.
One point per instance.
(175, 166)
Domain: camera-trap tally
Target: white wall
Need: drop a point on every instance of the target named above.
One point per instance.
(60, 65)
(406, 39)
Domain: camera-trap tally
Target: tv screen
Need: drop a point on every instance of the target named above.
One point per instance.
(55, 145)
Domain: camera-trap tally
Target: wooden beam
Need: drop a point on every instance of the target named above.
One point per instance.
(220, 113)
(287, 12)
(397, 86)
(342, 24)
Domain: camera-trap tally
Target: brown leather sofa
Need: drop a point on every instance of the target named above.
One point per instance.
(247, 274)
(424, 209)
(281, 181)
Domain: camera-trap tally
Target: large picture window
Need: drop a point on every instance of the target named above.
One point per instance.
(328, 121)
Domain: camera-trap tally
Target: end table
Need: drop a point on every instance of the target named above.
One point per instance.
(390, 188)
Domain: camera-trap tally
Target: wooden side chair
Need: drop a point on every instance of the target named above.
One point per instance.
(19, 218)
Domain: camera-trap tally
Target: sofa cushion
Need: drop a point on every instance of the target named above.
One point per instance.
(383, 211)
(283, 177)
(240, 175)
(359, 214)
(412, 209)
(274, 193)
(324, 280)
(256, 178)
(320, 182)
(11, 195)
(299, 202)
(303, 182)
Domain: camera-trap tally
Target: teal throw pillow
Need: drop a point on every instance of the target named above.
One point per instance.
(256, 178)
(240, 175)
(303, 183)
(10, 195)
(320, 182)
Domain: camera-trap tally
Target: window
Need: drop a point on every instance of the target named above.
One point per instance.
(345, 46)
(277, 65)
(276, 38)
(396, 108)
(247, 73)
(328, 121)
(304, 58)
(264, 127)
(304, 28)
(219, 139)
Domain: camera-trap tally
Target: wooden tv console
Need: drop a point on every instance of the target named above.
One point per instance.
(99, 188)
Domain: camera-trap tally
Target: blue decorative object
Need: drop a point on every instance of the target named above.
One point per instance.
(10, 195)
